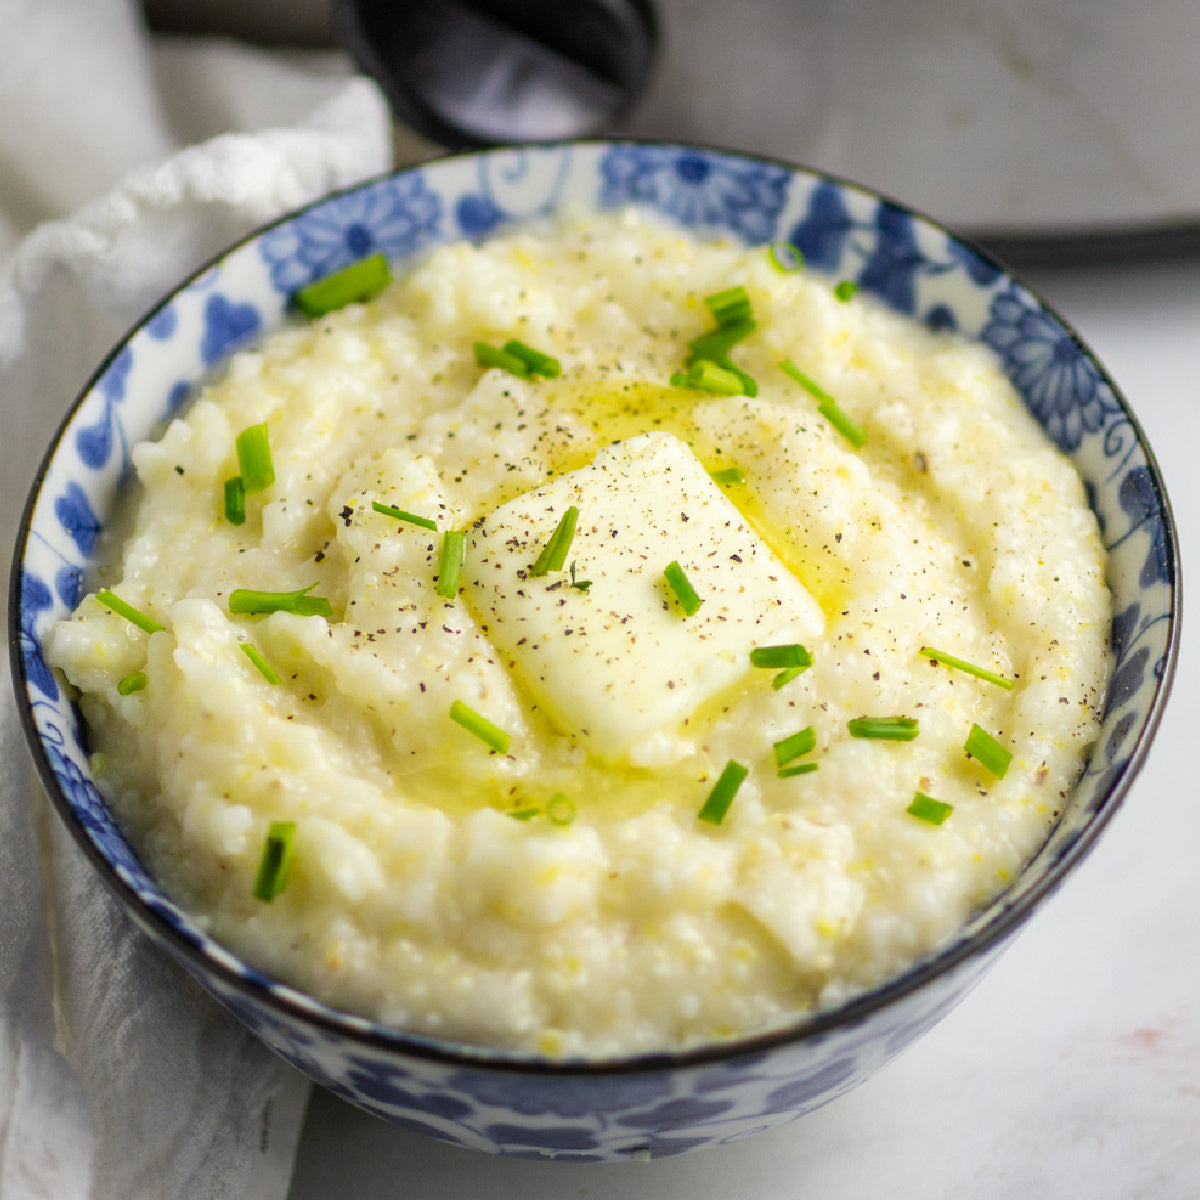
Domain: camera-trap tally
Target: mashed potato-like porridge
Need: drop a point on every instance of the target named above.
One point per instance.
(622, 796)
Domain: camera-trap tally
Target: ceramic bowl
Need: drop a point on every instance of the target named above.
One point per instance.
(655, 1104)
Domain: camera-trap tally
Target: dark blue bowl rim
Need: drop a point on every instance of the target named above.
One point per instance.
(1001, 919)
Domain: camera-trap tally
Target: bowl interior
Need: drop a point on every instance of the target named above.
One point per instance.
(910, 263)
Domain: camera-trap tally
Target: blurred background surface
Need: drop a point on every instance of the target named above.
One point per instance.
(1054, 131)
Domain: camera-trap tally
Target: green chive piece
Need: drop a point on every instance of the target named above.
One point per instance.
(133, 682)
(716, 343)
(798, 769)
(811, 386)
(794, 745)
(679, 583)
(581, 585)
(254, 459)
(524, 814)
(256, 603)
(723, 792)
(709, 376)
(827, 406)
(480, 726)
(254, 654)
(401, 515)
(235, 501)
(981, 746)
(785, 257)
(749, 386)
(357, 282)
(276, 859)
(926, 808)
(728, 475)
(789, 655)
(554, 553)
(884, 729)
(492, 356)
(713, 346)
(959, 664)
(560, 810)
(450, 566)
(845, 424)
(785, 677)
(131, 614)
(536, 363)
(845, 290)
(733, 304)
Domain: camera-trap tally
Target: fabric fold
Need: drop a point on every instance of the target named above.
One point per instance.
(120, 1079)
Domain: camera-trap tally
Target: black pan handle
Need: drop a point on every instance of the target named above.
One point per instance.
(475, 73)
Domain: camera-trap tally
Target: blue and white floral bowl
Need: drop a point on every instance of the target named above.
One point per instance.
(656, 1104)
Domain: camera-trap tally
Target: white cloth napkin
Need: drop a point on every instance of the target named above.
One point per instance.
(126, 161)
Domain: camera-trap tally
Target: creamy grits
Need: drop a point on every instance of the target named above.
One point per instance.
(615, 803)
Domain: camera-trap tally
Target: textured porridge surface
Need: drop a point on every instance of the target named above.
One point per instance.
(605, 916)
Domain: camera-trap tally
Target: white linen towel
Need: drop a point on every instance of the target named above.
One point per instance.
(125, 162)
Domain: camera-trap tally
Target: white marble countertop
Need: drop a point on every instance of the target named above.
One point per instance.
(1073, 1070)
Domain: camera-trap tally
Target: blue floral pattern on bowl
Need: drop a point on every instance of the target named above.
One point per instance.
(656, 1104)
(396, 217)
(698, 190)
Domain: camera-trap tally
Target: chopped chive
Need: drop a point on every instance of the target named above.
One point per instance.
(681, 586)
(254, 459)
(359, 281)
(827, 406)
(885, 729)
(794, 661)
(723, 792)
(254, 654)
(709, 367)
(493, 356)
(401, 515)
(451, 563)
(256, 603)
(845, 424)
(560, 810)
(716, 343)
(276, 859)
(131, 614)
(235, 501)
(535, 361)
(790, 655)
(981, 746)
(785, 677)
(581, 585)
(785, 257)
(845, 290)
(733, 304)
(133, 682)
(798, 769)
(480, 726)
(811, 386)
(926, 808)
(524, 814)
(554, 553)
(749, 386)
(949, 660)
(709, 376)
(728, 475)
(794, 745)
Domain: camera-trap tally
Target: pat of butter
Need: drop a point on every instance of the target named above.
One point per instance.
(618, 663)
